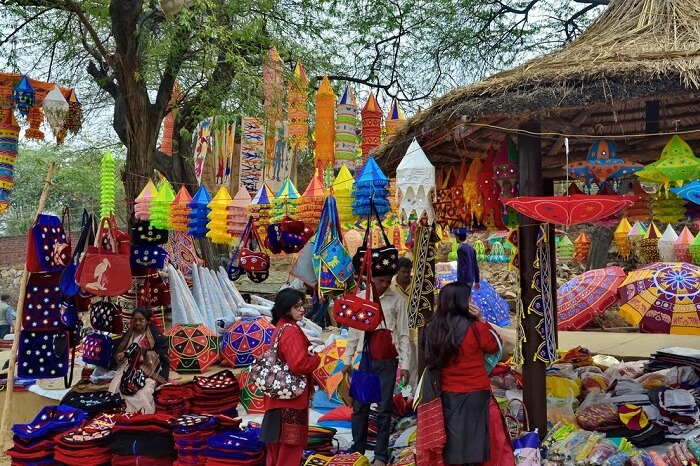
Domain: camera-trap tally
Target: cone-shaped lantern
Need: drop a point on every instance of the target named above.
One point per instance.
(682, 245)
(582, 245)
(343, 188)
(622, 242)
(415, 182)
(371, 126)
(218, 216)
(346, 130)
(565, 249)
(640, 210)
(394, 120)
(35, 118)
(199, 209)
(373, 183)
(297, 110)
(666, 242)
(24, 96)
(142, 203)
(286, 202)
(636, 235)
(650, 244)
(325, 125)
(261, 206)
(55, 108)
(74, 118)
(238, 212)
(312, 202)
(160, 205)
(180, 210)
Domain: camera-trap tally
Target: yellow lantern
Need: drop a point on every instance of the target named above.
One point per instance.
(218, 216)
(650, 244)
(621, 239)
(582, 246)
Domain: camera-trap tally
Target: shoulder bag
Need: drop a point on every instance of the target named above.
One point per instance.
(273, 377)
(69, 285)
(250, 259)
(365, 385)
(357, 312)
(48, 247)
(102, 272)
(384, 258)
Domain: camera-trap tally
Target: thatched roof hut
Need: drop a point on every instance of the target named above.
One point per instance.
(633, 76)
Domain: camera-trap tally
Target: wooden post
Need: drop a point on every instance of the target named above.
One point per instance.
(18, 323)
(534, 389)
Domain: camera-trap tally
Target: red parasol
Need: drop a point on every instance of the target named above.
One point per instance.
(252, 398)
(569, 210)
(583, 297)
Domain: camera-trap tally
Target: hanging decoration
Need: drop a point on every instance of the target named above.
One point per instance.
(650, 244)
(273, 109)
(371, 126)
(622, 242)
(202, 146)
(142, 203)
(324, 151)
(421, 294)
(689, 191)
(677, 164)
(9, 137)
(74, 118)
(681, 247)
(166, 143)
(565, 249)
(666, 242)
(24, 96)
(457, 214)
(252, 153)
(602, 164)
(224, 142)
(569, 210)
(342, 189)
(479, 248)
(636, 235)
(394, 120)
(443, 196)
(415, 183)
(161, 204)
(199, 210)
(179, 210)
(695, 250)
(346, 130)
(106, 185)
(372, 183)
(286, 202)
(582, 246)
(498, 253)
(218, 216)
(472, 195)
(238, 212)
(506, 172)
(297, 110)
(492, 218)
(667, 207)
(312, 202)
(261, 206)
(35, 119)
(55, 108)
(640, 210)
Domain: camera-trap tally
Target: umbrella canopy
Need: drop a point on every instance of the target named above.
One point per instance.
(251, 397)
(583, 297)
(330, 356)
(569, 210)
(663, 298)
(493, 307)
(191, 348)
(246, 340)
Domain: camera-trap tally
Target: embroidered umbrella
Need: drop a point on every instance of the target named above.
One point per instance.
(330, 356)
(252, 398)
(493, 307)
(587, 295)
(246, 340)
(191, 348)
(663, 298)
(569, 210)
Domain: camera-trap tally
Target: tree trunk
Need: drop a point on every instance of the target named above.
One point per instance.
(598, 255)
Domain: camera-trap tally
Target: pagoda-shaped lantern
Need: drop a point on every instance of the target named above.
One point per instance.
(107, 185)
(415, 183)
(342, 188)
(622, 242)
(199, 210)
(55, 108)
(636, 235)
(142, 203)
(324, 151)
(161, 205)
(371, 126)
(24, 96)
(261, 206)
(565, 249)
(218, 218)
(286, 202)
(238, 212)
(372, 183)
(582, 246)
(666, 243)
(640, 210)
(682, 245)
(346, 130)
(394, 120)
(180, 210)
(650, 244)
(312, 202)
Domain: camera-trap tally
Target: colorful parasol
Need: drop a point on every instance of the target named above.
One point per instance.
(663, 298)
(602, 164)
(493, 307)
(587, 295)
(569, 210)
(252, 398)
(246, 340)
(191, 348)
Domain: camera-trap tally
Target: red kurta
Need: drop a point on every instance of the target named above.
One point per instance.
(467, 373)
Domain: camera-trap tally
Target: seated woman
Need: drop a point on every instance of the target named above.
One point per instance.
(153, 360)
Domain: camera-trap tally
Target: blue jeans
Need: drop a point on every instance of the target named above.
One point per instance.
(319, 313)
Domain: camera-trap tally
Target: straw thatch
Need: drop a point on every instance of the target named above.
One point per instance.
(637, 51)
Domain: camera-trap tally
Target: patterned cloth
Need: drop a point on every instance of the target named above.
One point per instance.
(422, 291)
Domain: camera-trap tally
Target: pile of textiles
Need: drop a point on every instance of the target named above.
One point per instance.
(340, 459)
(320, 441)
(191, 433)
(94, 403)
(402, 441)
(235, 447)
(88, 445)
(142, 439)
(673, 356)
(216, 394)
(174, 400)
(34, 442)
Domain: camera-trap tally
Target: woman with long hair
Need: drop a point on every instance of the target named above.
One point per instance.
(456, 339)
(285, 426)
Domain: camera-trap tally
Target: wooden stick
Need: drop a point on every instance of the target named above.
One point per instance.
(4, 428)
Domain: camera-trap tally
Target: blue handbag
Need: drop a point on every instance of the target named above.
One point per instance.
(147, 257)
(365, 385)
(68, 284)
(97, 350)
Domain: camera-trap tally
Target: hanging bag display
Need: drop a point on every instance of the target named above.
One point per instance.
(102, 272)
(365, 385)
(37, 358)
(143, 233)
(147, 257)
(133, 379)
(106, 316)
(357, 312)
(250, 259)
(333, 252)
(69, 285)
(97, 349)
(48, 247)
(273, 376)
(385, 258)
(42, 303)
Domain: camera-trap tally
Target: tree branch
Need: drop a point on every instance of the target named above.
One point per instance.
(21, 26)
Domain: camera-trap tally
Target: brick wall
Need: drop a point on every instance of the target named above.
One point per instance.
(14, 248)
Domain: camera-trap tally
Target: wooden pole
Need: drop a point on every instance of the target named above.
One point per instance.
(534, 370)
(4, 428)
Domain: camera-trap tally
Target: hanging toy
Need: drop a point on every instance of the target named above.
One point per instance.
(106, 185)
(142, 203)
(682, 245)
(218, 215)
(180, 210)
(650, 244)
(565, 249)
(621, 238)
(582, 246)
(666, 242)
(24, 96)
(199, 209)
(480, 250)
(160, 205)
(55, 108)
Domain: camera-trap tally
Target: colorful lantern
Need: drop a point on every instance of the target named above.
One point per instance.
(238, 212)
(261, 206)
(35, 118)
(565, 249)
(246, 340)
(695, 250)
(602, 164)
(636, 235)
(498, 253)
(506, 172)
(346, 130)
(55, 108)
(650, 244)
(199, 210)
(297, 110)
(218, 217)
(489, 193)
(371, 126)
(667, 207)
(325, 125)
(682, 245)
(24, 96)
(106, 185)
(394, 120)
(677, 164)
(142, 203)
(286, 202)
(9, 137)
(582, 245)
(640, 210)
(621, 239)
(273, 101)
(312, 202)
(342, 189)
(74, 118)
(180, 210)
(415, 182)
(372, 183)
(480, 250)
(160, 205)
(666, 242)
(472, 195)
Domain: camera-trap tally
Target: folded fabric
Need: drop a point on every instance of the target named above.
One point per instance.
(154, 444)
(51, 419)
(131, 460)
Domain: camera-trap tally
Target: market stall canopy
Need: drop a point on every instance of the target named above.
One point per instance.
(635, 70)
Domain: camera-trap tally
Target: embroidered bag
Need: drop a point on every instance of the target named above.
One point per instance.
(329, 249)
(294, 235)
(234, 270)
(250, 259)
(385, 258)
(133, 379)
(42, 303)
(147, 257)
(93, 402)
(105, 316)
(97, 349)
(273, 377)
(144, 233)
(357, 312)
(431, 436)
(365, 385)
(104, 273)
(69, 285)
(36, 356)
(491, 360)
(273, 242)
(48, 249)
(258, 277)
(71, 321)
(153, 292)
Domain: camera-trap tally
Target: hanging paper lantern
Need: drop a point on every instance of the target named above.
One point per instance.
(373, 183)
(180, 210)
(682, 245)
(602, 164)
(677, 164)
(565, 249)
(394, 120)
(636, 235)
(650, 244)
(582, 245)
(9, 136)
(325, 125)
(286, 202)
(346, 130)
(297, 110)
(199, 210)
(261, 207)
(480, 250)
(74, 118)
(238, 212)
(218, 215)
(142, 203)
(506, 175)
(312, 202)
(472, 195)
(273, 102)
(666, 242)
(55, 108)
(489, 193)
(457, 213)
(622, 242)
(667, 207)
(343, 188)
(24, 96)
(498, 253)
(35, 118)
(160, 205)
(640, 210)
(695, 250)
(443, 196)
(106, 185)
(415, 182)
(371, 126)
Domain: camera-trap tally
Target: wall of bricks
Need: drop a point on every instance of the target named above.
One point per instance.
(14, 248)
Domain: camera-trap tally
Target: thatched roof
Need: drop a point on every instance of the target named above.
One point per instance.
(605, 83)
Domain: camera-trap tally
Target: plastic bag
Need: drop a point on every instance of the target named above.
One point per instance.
(618, 459)
(601, 452)
(563, 387)
(597, 412)
(631, 369)
(561, 409)
(587, 447)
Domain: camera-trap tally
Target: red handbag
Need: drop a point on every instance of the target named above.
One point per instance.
(104, 273)
(250, 259)
(381, 345)
(357, 312)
